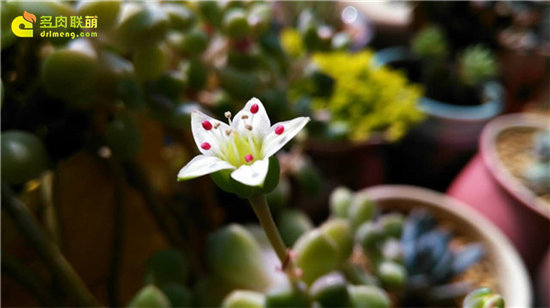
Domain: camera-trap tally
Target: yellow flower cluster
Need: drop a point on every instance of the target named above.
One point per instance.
(367, 97)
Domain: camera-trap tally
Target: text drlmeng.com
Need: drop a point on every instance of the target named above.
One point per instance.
(72, 35)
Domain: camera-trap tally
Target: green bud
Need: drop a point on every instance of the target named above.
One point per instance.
(244, 299)
(292, 224)
(193, 42)
(235, 23)
(288, 296)
(123, 137)
(141, 25)
(69, 74)
(235, 256)
(317, 255)
(23, 155)
(181, 17)
(112, 71)
(166, 266)
(368, 297)
(358, 275)
(339, 230)
(361, 209)
(150, 63)
(149, 297)
(392, 224)
(211, 12)
(196, 74)
(392, 274)
(369, 236)
(340, 200)
(330, 291)
(106, 11)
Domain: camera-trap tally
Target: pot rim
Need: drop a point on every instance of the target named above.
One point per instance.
(496, 167)
(514, 283)
(492, 90)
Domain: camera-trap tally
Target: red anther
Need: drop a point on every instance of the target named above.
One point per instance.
(206, 125)
(254, 108)
(249, 158)
(279, 129)
(205, 146)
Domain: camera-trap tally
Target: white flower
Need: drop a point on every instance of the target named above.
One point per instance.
(244, 145)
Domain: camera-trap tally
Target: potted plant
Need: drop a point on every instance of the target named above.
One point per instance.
(512, 167)
(510, 272)
(460, 97)
(356, 107)
(383, 246)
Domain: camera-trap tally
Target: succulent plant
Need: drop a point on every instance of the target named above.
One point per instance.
(340, 200)
(330, 290)
(388, 105)
(430, 43)
(317, 255)
(292, 224)
(235, 257)
(430, 261)
(483, 298)
(368, 296)
(477, 64)
(542, 145)
(288, 296)
(537, 177)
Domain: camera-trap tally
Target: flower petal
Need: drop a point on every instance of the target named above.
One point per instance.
(252, 175)
(201, 165)
(259, 121)
(273, 142)
(201, 135)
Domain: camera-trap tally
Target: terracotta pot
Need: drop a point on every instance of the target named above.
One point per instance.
(486, 185)
(511, 275)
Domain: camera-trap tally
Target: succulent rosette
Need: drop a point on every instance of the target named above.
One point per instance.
(239, 154)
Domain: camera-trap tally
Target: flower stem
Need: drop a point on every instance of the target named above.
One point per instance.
(260, 207)
(49, 252)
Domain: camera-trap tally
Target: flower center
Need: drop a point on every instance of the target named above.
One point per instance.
(236, 147)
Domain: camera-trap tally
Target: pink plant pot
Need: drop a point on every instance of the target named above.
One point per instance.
(486, 185)
(544, 281)
(510, 272)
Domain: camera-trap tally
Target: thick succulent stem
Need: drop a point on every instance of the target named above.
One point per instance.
(262, 211)
(47, 250)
